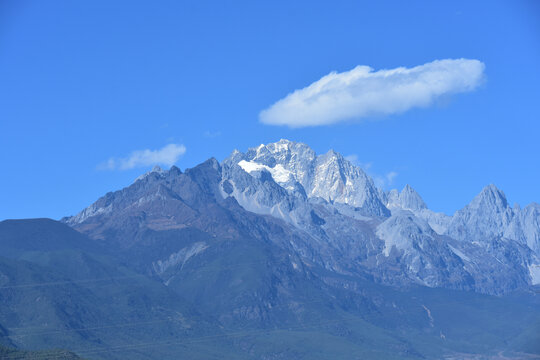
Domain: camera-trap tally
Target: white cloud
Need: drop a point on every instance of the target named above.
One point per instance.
(382, 181)
(390, 177)
(353, 158)
(168, 155)
(212, 134)
(363, 92)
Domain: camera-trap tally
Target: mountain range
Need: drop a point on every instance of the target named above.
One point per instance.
(275, 253)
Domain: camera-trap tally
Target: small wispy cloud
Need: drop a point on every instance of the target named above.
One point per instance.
(382, 181)
(353, 158)
(390, 177)
(211, 134)
(168, 155)
(363, 92)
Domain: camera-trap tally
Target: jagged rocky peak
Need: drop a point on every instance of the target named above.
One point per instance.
(337, 179)
(282, 152)
(490, 198)
(407, 199)
(156, 171)
(402, 230)
(525, 227)
(329, 176)
(486, 216)
(157, 192)
(410, 199)
(286, 160)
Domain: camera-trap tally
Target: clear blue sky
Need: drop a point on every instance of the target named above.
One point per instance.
(84, 81)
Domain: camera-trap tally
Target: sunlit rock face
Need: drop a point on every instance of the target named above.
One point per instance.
(329, 176)
(485, 217)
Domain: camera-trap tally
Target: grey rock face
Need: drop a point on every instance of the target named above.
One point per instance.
(525, 227)
(346, 192)
(423, 254)
(485, 217)
(407, 199)
(296, 167)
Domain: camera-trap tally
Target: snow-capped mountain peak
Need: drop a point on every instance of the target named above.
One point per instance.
(329, 176)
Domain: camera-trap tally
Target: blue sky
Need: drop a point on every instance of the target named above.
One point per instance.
(83, 84)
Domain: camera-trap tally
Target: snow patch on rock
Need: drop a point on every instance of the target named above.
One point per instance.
(534, 271)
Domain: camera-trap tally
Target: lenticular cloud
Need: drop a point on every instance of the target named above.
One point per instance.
(363, 92)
